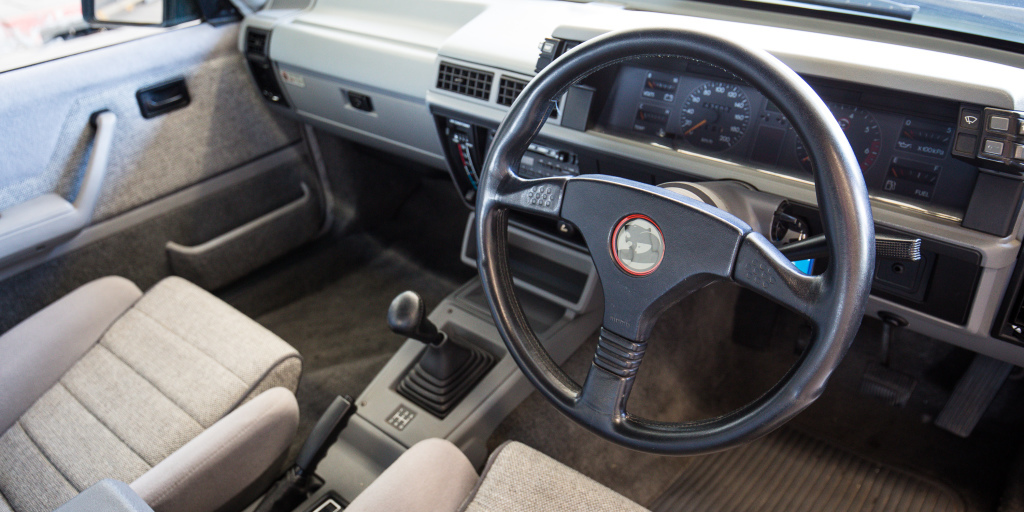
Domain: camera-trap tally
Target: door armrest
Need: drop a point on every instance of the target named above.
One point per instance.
(38, 225)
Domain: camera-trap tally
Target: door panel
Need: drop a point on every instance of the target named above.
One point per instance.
(221, 177)
(46, 110)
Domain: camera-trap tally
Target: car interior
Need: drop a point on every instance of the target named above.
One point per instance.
(502, 255)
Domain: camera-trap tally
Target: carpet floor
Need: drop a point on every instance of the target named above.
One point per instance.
(341, 330)
(721, 348)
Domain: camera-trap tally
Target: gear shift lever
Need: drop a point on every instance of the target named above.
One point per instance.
(446, 370)
(408, 316)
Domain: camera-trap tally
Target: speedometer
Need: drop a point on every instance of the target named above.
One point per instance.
(715, 116)
(861, 130)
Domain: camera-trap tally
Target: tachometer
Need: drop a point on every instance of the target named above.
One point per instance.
(715, 116)
(861, 130)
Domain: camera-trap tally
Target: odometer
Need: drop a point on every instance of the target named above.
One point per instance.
(715, 116)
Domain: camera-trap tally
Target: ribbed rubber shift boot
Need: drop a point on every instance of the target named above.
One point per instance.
(439, 396)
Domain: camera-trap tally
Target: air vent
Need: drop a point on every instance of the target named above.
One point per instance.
(470, 82)
(509, 89)
(256, 42)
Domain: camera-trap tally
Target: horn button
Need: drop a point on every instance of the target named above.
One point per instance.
(638, 245)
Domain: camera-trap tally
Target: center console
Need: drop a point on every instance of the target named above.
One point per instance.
(558, 290)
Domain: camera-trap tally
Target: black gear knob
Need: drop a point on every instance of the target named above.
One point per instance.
(407, 316)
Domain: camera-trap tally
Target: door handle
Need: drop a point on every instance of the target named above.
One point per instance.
(164, 102)
(163, 97)
(96, 170)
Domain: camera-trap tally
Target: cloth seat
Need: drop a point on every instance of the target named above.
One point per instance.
(435, 476)
(172, 390)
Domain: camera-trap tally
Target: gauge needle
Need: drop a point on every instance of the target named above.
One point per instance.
(698, 125)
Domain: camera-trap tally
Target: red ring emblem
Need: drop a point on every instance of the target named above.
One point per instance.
(638, 245)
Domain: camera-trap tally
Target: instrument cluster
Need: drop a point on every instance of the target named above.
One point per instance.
(902, 142)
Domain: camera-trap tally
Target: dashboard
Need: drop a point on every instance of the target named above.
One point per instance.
(937, 124)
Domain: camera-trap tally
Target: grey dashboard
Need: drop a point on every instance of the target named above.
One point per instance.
(429, 80)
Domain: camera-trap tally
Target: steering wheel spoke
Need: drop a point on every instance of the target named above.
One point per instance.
(602, 401)
(541, 196)
(762, 268)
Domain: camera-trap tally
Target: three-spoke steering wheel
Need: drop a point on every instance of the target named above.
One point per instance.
(651, 247)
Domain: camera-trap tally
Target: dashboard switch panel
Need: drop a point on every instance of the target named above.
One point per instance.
(1001, 136)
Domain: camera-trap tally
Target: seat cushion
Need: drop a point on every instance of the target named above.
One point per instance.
(177, 361)
(519, 478)
(36, 353)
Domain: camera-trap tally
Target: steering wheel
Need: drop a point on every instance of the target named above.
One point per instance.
(651, 247)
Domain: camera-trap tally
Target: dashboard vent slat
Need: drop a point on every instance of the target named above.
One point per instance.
(256, 42)
(509, 89)
(463, 80)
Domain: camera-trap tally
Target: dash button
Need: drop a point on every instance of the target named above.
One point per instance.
(999, 123)
(994, 147)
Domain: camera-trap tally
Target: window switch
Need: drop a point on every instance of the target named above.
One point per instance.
(360, 101)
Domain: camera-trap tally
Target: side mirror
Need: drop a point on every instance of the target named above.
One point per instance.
(154, 13)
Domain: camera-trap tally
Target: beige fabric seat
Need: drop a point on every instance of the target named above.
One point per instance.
(173, 391)
(434, 476)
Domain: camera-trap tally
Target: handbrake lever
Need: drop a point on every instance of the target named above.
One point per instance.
(886, 246)
(298, 483)
(324, 434)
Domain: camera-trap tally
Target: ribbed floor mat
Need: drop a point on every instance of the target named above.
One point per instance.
(791, 472)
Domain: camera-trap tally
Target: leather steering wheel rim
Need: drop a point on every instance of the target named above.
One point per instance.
(701, 244)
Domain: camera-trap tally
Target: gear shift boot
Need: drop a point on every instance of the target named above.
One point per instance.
(444, 362)
(446, 371)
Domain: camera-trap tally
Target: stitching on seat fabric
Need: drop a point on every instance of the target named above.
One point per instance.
(101, 422)
(186, 340)
(46, 456)
(260, 380)
(151, 383)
